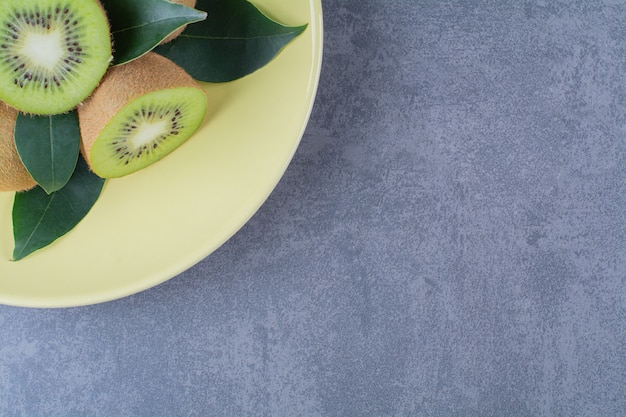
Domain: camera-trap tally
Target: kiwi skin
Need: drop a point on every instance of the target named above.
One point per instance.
(13, 175)
(173, 35)
(121, 85)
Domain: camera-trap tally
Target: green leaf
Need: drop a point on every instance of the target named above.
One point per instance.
(48, 146)
(235, 40)
(137, 26)
(39, 218)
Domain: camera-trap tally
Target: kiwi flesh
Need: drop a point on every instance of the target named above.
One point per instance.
(13, 175)
(173, 35)
(53, 53)
(140, 112)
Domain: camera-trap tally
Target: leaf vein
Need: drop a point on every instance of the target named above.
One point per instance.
(30, 236)
(52, 165)
(153, 23)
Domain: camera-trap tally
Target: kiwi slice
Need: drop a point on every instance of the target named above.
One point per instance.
(13, 174)
(140, 112)
(53, 53)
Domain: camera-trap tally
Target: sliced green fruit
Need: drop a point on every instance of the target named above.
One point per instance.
(53, 53)
(141, 112)
(146, 130)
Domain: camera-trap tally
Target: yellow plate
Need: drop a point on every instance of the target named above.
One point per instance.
(154, 224)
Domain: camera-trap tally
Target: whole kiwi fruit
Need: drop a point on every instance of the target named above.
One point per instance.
(53, 53)
(13, 175)
(140, 112)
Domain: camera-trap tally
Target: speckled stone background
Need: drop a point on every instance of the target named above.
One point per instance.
(448, 241)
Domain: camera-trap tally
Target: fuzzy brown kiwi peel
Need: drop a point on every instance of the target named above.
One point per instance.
(13, 174)
(140, 112)
(53, 53)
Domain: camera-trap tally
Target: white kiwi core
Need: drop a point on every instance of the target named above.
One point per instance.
(146, 133)
(43, 49)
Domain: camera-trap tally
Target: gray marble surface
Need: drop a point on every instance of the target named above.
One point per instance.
(448, 241)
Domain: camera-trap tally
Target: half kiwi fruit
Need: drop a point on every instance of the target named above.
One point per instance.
(13, 174)
(53, 53)
(141, 112)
